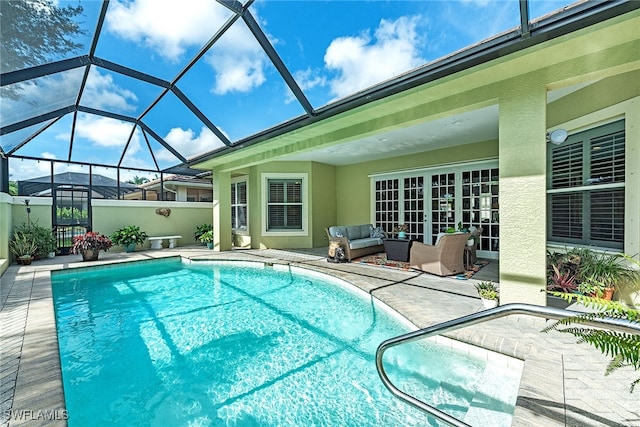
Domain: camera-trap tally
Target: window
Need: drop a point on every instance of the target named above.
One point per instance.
(239, 205)
(285, 204)
(586, 188)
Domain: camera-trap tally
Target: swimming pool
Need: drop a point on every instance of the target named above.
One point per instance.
(175, 343)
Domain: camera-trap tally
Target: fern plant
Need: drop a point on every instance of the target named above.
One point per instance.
(622, 347)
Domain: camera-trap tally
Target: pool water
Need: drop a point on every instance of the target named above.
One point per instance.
(221, 344)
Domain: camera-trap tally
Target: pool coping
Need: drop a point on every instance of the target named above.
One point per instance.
(31, 367)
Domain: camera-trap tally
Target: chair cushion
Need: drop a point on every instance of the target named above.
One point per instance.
(444, 234)
(364, 243)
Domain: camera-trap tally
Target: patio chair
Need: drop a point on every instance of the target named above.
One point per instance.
(443, 259)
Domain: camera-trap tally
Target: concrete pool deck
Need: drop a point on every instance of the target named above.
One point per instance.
(563, 383)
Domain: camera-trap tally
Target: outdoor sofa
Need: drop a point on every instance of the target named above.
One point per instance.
(356, 240)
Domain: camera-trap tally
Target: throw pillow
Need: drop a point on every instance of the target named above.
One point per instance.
(339, 234)
(377, 232)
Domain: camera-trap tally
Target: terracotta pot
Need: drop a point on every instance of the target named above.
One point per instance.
(607, 293)
(90, 254)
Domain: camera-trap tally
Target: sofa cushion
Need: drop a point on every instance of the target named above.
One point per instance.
(376, 232)
(364, 243)
(358, 231)
(338, 231)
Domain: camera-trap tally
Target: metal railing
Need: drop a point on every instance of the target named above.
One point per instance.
(619, 325)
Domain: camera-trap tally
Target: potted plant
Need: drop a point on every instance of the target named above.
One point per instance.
(488, 293)
(90, 244)
(402, 230)
(207, 238)
(128, 237)
(46, 242)
(23, 247)
(603, 273)
(201, 229)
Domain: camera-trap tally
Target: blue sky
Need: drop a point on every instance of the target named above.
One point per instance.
(332, 48)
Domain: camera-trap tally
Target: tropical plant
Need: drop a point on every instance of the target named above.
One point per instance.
(606, 270)
(128, 235)
(42, 237)
(206, 237)
(90, 241)
(562, 281)
(623, 348)
(201, 229)
(487, 290)
(22, 245)
(592, 271)
(69, 213)
(22, 46)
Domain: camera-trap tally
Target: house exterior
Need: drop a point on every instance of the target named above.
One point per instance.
(179, 188)
(529, 194)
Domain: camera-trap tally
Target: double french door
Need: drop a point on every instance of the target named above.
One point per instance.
(435, 201)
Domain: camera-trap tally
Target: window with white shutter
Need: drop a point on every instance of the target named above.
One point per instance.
(284, 204)
(586, 188)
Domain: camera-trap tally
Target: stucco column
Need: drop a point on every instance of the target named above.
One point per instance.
(522, 151)
(632, 179)
(221, 211)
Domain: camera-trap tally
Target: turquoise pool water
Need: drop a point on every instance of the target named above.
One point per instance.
(171, 343)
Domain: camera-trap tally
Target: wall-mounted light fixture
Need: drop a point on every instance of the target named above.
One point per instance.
(557, 136)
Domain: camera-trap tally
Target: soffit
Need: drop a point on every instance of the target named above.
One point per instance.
(423, 118)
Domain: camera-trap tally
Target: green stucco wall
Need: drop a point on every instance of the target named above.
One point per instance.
(354, 192)
(108, 216)
(6, 224)
(321, 185)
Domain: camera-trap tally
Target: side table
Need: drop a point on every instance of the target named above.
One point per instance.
(469, 256)
(397, 249)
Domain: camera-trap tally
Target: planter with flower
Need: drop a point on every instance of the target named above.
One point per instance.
(90, 244)
(401, 230)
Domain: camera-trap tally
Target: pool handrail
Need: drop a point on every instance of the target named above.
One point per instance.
(620, 325)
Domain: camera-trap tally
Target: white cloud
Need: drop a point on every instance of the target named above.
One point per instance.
(307, 80)
(168, 27)
(26, 169)
(102, 93)
(107, 133)
(187, 143)
(237, 71)
(238, 61)
(362, 61)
